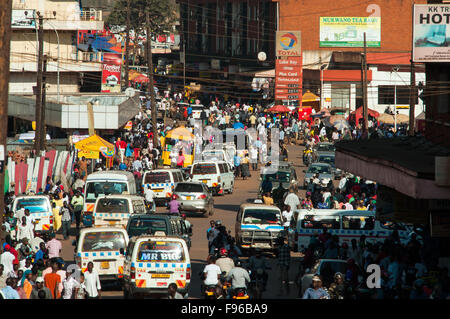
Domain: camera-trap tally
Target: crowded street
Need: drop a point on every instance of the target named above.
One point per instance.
(195, 150)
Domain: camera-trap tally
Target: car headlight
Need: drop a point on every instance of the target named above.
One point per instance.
(245, 233)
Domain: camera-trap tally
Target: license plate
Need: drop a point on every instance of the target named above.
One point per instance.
(104, 265)
(158, 190)
(261, 245)
(205, 181)
(112, 223)
(160, 276)
(188, 197)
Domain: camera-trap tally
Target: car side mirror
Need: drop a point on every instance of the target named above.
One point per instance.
(122, 251)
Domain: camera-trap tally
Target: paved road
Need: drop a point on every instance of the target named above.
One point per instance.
(225, 209)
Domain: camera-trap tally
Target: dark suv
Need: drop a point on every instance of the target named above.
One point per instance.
(150, 223)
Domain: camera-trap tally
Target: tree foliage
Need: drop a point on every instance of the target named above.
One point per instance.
(162, 15)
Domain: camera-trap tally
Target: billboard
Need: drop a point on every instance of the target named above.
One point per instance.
(431, 42)
(288, 43)
(21, 19)
(111, 70)
(349, 32)
(288, 78)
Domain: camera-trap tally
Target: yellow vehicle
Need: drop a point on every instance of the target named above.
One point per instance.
(176, 140)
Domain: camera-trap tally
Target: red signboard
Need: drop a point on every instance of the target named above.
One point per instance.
(111, 71)
(288, 78)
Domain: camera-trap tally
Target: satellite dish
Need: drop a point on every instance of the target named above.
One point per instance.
(262, 56)
(130, 92)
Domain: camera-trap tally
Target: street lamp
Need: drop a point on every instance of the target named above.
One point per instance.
(57, 65)
(322, 67)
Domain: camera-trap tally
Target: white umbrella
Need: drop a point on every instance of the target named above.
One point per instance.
(341, 124)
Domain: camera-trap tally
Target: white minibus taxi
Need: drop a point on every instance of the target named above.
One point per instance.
(104, 246)
(39, 207)
(346, 224)
(162, 183)
(152, 263)
(115, 210)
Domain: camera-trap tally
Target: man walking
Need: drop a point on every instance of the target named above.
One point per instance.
(284, 261)
(65, 219)
(77, 204)
(92, 282)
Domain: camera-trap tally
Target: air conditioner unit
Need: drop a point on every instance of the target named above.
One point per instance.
(442, 171)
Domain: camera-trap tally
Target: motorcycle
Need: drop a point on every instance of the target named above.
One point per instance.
(209, 292)
(258, 283)
(241, 293)
(307, 158)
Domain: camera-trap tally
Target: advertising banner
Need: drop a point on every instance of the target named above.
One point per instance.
(111, 72)
(21, 19)
(430, 40)
(349, 31)
(288, 78)
(288, 43)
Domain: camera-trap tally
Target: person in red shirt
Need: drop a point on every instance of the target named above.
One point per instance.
(52, 281)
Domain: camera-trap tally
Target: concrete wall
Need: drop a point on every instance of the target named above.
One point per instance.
(23, 82)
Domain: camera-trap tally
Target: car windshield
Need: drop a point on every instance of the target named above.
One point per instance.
(139, 226)
(326, 148)
(161, 251)
(35, 205)
(319, 169)
(103, 241)
(96, 189)
(188, 188)
(262, 216)
(112, 205)
(200, 169)
(157, 178)
(213, 155)
(326, 159)
(278, 176)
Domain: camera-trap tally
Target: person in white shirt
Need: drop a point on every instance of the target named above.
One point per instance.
(25, 230)
(342, 182)
(287, 214)
(7, 259)
(292, 199)
(326, 195)
(92, 282)
(150, 197)
(211, 272)
(70, 284)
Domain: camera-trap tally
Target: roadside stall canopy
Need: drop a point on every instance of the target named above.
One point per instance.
(279, 109)
(390, 119)
(357, 114)
(180, 133)
(310, 97)
(93, 145)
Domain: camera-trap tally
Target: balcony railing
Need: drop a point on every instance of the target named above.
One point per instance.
(92, 15)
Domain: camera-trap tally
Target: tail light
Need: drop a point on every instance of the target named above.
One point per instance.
(51, 219)
(241, 293)
(133, 273)
(169, 195)
(188, 273)
(176, 196)
(203, 196)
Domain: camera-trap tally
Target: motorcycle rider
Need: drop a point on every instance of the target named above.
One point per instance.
(224, 262)
(239, 278)
(211, 273)
(257, 265)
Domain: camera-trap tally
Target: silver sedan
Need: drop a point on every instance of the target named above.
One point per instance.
(194, 197)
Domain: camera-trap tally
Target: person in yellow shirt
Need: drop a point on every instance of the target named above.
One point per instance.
(361, 206)
(267, 199)
(57, 222)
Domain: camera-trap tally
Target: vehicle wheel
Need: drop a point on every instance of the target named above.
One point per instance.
(232, 188)
(126, 294)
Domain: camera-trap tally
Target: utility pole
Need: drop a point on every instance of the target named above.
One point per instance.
(127, 45)
(365, 109)
(38, 111)
(5, 46)
(42, 130)
(151, 87)
(412, 99)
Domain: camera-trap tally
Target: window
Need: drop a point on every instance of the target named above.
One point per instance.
(180, 177)
(157, 178)
(340, 95)
(175, 177)
(34, 205)
(200, 169)
(96, 189)
(320, 222)
(261, 216)
(103, 241)
(160, 251)
(139, 226)
(112, 205)
(221, 168)
(358, 222)
(387, 94)
(316, 169)
(188, 188)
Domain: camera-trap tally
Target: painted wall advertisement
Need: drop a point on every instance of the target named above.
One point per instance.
(23, 19)
(349, 31)
(431, 42)
(111, 71)
(288, 67)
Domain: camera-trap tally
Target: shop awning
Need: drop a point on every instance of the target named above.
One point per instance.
(91, 147)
